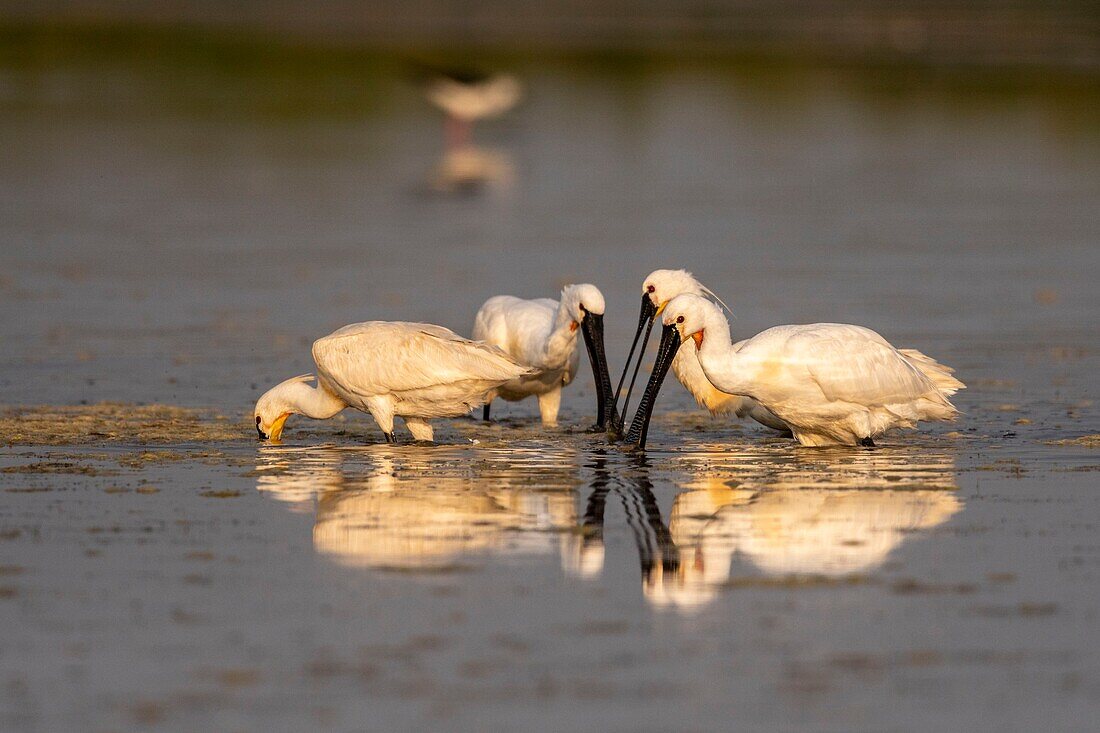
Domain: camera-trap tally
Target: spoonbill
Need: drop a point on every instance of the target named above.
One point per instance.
(466, 96)
(542, 334)
(415, 371)
(658, 289)
(832, 383)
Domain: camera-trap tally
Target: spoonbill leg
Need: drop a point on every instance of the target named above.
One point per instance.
(381, 409)
(549, 402)
(420, 428)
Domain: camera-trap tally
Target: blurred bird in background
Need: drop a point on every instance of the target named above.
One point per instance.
(466, 96)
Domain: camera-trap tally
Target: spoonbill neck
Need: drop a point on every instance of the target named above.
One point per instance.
(315, 402)
(562, 339)
(721, 363)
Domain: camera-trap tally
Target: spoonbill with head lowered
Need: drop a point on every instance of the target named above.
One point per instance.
(832, 383)
(658, 289)
(415, 371)
(542, 334)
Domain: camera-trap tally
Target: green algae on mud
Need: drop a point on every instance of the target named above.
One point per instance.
(58, 467)
(1085, 441)
(111, 422)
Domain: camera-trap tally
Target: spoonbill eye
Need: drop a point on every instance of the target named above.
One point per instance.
(650, 289)
(680, 319)
(257, 421)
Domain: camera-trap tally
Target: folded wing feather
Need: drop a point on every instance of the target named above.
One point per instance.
(854, 364)
(378, 357)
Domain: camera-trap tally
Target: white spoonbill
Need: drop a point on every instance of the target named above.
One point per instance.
(415, 371)
(658, 289)
(832, 383)
(542, 334)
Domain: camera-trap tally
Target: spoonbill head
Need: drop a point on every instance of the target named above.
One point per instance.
(278, 403)
(661, 286)
(658, 289)
(832, 383)
(689, 317)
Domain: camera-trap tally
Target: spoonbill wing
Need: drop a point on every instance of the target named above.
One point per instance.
(378, 357)
(570, 373)
(856, 365)
(942, 376)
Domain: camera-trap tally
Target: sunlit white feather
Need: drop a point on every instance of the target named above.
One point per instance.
(667, 284)
(416, 371)
(541, 334)
(832, 383)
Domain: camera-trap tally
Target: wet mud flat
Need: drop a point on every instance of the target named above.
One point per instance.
(507, 577)
(179, 225)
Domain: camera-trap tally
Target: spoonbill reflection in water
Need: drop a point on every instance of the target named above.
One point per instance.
(831, 516)
(418, 512)
(832, 383)
(816, 515)
(542, 334)
(416, 371)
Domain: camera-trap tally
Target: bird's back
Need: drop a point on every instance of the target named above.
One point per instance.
(847, 363)
(805, 335)
(379, 357)
(517, 326)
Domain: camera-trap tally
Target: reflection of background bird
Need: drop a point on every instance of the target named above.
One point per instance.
(467, 168)
(785, 522)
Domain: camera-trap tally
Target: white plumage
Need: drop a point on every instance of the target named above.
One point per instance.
(832, 383)
(660, 287)
(541, 334)
(416, 371)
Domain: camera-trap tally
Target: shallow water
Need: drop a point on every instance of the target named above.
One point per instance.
(177, 234)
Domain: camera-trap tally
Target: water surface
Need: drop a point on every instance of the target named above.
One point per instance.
(177, 231)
